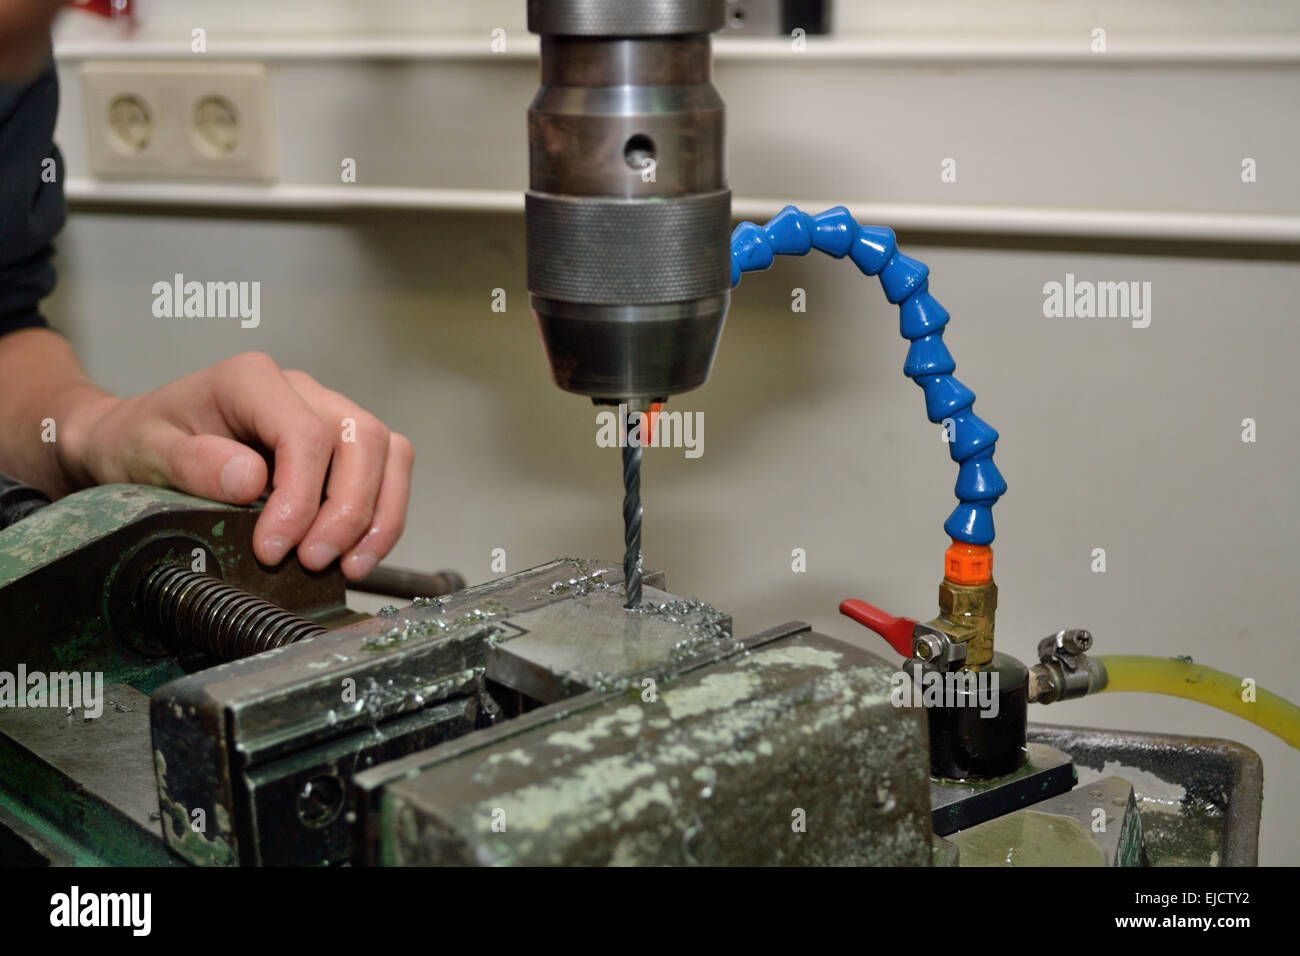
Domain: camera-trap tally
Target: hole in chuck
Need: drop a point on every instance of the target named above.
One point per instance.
(639, 151)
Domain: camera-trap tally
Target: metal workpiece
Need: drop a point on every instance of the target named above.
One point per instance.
(70, 577)
(569, 647)
(1064, 670)
(791, 753)
(1092, 825)
(628, 209)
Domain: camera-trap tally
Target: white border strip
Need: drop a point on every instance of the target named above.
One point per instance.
(998, 220)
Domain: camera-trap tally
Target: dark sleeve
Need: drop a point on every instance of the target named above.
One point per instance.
(31, 199)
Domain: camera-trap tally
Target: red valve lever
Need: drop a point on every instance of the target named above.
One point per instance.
(896, 630)
(113, 9)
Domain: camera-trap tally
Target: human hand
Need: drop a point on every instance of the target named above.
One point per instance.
(206, 433)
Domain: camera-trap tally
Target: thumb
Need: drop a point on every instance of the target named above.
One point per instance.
(211, 466)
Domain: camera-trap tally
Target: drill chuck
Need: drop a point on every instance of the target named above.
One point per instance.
(628, 213)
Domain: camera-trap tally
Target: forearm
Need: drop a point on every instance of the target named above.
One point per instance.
(47, 405)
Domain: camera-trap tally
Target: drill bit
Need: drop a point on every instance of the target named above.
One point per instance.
(632, 515)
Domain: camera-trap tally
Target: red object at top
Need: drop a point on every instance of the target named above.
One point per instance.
(652, 420)
(897, 631)
(115, 9)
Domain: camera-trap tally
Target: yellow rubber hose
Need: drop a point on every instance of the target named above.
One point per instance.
(1166, 675)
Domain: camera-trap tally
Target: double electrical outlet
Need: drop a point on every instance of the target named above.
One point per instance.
(178, 120)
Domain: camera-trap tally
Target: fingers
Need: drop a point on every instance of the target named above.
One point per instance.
(362, 456)
(390, 511)
(208, 466)
(189, 435)
(259, 404)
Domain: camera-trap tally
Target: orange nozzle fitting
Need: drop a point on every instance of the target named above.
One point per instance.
(969, 564)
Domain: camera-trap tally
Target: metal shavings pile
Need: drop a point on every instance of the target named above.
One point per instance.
(582, 585)
(705, 624)
(431, 627)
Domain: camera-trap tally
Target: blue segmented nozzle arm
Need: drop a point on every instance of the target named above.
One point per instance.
(922, 319)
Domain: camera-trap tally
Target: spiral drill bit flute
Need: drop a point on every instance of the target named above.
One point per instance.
(628, 213)
(632, 516)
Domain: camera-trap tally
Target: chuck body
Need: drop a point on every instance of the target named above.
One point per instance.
(628, 211)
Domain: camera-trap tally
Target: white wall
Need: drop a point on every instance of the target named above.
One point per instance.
(1114, 437)
(1002, 18)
